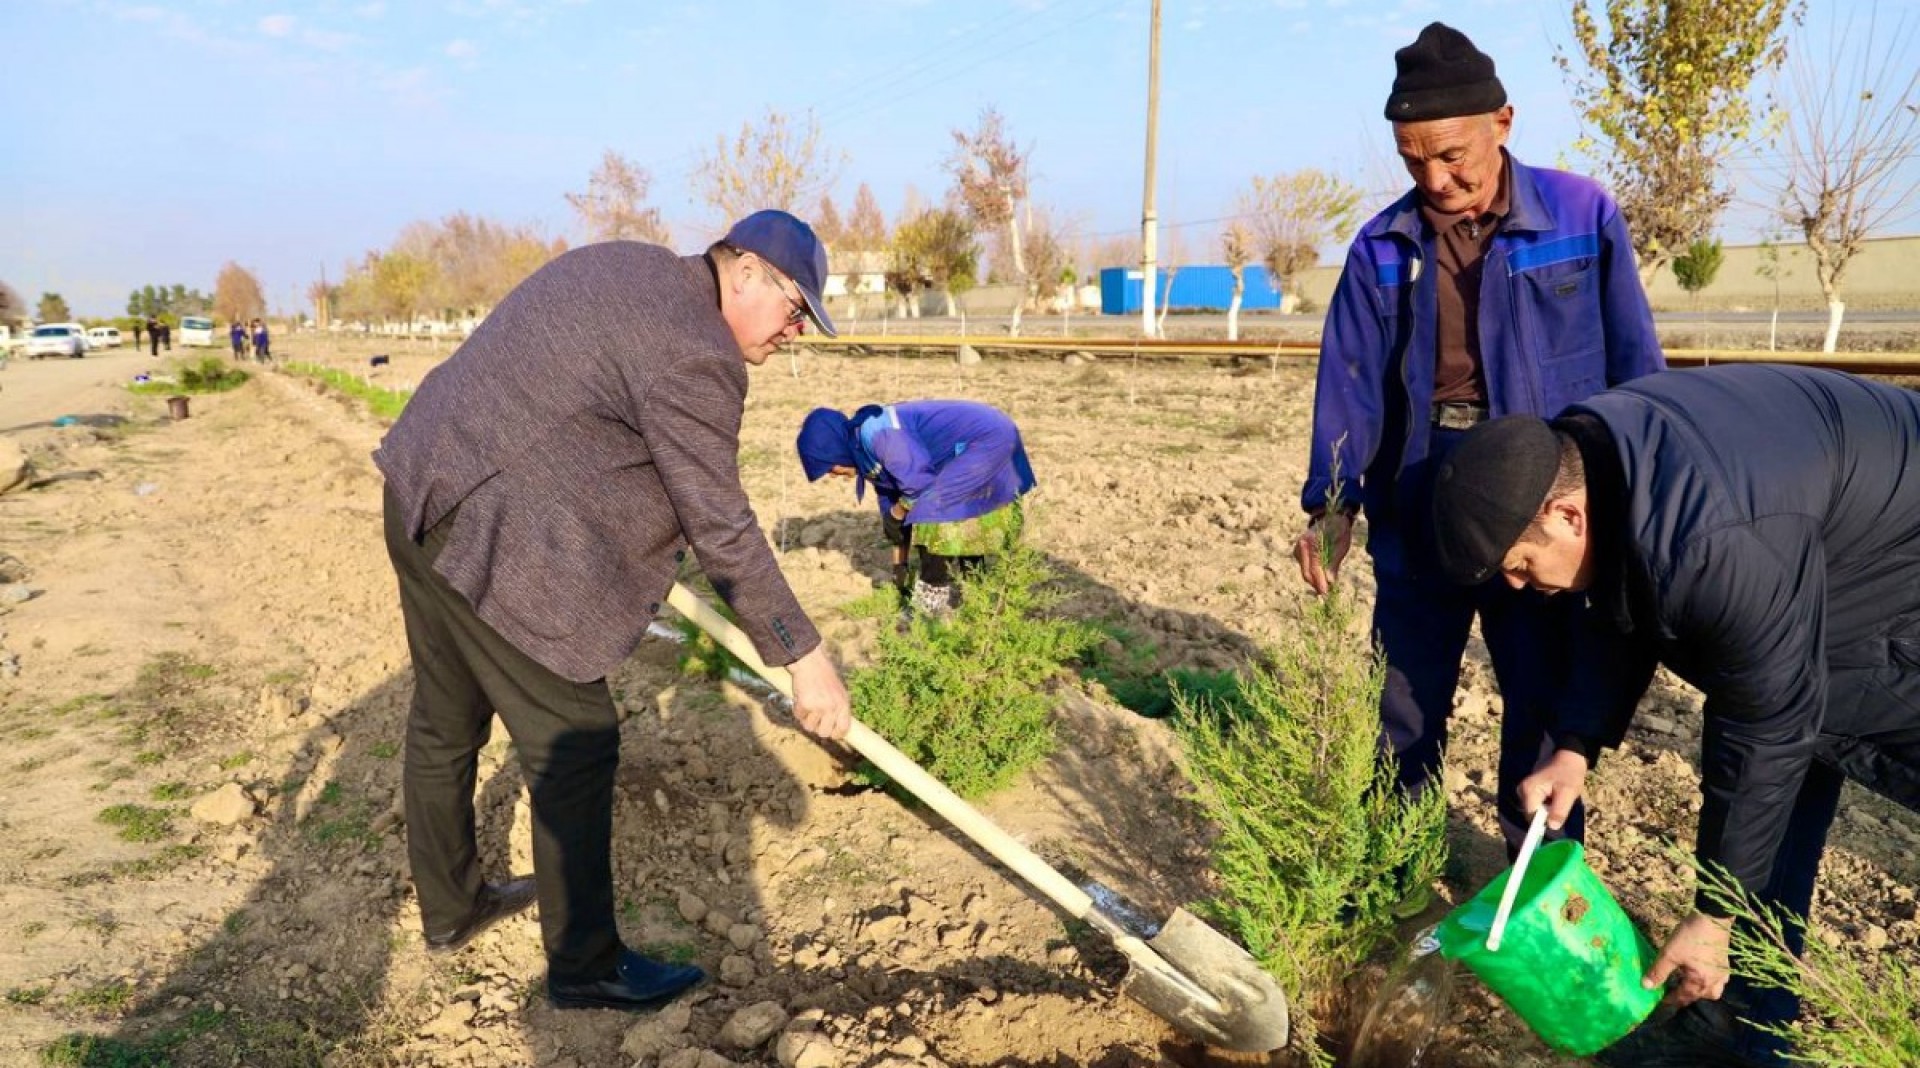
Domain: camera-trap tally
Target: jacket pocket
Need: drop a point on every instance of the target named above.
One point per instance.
(1565, 299)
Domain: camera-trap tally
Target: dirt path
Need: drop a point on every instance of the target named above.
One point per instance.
(214, 660)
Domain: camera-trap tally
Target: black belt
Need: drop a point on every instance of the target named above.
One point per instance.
(1456, 416)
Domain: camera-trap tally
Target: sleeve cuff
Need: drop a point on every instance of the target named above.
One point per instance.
(1705, 904)
(1581, 744)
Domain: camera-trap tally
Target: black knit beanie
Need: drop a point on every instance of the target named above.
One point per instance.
(1442, 76)
(1488, 490)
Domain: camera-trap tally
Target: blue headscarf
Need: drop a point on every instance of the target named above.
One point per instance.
(825, 442)
(829, 439)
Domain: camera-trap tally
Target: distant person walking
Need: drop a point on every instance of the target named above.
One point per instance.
(153, 334)
(138, 327)
(166, 334)
(262, 351)
(237, 333)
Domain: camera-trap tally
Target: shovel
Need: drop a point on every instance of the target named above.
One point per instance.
(1189, 974)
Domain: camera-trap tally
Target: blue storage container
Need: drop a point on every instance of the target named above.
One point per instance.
(1195, 288)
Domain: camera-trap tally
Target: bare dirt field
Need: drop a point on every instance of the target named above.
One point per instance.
(202, 696)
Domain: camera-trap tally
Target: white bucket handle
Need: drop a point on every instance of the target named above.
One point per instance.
(1532, 842)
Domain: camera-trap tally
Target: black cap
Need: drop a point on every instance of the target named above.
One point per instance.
(1488, 489)
(1442, 76)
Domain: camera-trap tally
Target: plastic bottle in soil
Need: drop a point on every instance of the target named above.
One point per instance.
(1407, 1012)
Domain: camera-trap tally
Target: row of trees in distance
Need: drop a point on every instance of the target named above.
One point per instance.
(1666, 92)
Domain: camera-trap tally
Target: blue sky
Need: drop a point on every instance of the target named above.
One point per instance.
(152, 142)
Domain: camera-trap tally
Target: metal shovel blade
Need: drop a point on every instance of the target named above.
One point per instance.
(1204, 984)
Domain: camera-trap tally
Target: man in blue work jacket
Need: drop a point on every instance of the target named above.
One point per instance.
(1490, 288)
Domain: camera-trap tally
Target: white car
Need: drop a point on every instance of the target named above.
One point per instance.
(103, 337)
(57, 339)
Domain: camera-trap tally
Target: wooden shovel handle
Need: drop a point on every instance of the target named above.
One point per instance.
(898, 767)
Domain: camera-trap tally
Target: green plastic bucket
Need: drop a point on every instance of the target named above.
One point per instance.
(1570, 961)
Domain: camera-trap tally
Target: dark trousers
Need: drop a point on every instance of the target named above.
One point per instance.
(1872, 737)
(1422, 628)
(1421, 622)
(565, 734)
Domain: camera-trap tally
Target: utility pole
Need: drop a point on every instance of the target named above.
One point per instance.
(1149, 219)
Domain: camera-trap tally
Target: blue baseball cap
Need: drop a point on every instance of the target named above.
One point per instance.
(792, 248)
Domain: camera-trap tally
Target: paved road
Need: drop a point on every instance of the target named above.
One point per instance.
(33, 393)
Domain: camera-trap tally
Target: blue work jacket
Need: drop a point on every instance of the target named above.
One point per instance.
(950, 459)
(1562, 316)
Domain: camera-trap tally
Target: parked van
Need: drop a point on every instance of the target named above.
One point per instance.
(196, 331)
(103, 337)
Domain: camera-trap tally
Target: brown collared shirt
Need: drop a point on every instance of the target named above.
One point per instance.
(1460, 248)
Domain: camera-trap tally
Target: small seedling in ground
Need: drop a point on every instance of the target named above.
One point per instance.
(138, 823)
(101, 997)
(28, 995)
(384, 750)
(159, 864)
(103, 925)
(236, 760)
(171, 791)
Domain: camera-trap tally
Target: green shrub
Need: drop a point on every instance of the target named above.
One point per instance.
(1316, 846)
(966, 697)
(1850, 1017)
(700, 656)
(211, 375)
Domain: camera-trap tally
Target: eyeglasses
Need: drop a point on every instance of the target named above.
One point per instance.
(797, 310)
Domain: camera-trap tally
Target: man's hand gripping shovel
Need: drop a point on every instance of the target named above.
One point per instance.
(1190, 975)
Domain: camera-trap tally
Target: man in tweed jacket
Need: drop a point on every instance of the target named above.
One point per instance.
(542, 487)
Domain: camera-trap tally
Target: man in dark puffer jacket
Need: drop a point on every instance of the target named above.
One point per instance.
(1757, 529)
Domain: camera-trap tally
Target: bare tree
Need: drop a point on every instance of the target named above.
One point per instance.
(866, 229)
(1050, 259)
(826, 223)
(780, 163)
(1665, 87)
(473, 261)
(1237, 244)
(990, 182)
(322, 296)
(614, 206)
(236, 294)
(1852, 122)
(1114, 252)
(1291, 216)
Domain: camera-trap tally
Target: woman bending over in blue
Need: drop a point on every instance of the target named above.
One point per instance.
(948, 474)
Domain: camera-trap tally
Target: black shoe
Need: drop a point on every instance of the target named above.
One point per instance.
(636, 985)
(1705, 1034)
(497, 902)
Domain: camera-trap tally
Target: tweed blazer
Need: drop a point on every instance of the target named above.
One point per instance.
(587, 432)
